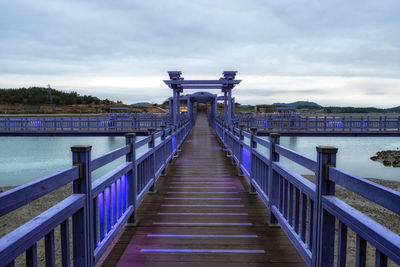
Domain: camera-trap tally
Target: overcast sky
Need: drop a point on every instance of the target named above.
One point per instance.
(331, 52)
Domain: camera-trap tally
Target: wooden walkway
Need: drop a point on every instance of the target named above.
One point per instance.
(202, 215)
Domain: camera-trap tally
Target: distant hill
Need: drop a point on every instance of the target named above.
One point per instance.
(38, 96)
(299, 104)
(141, 104)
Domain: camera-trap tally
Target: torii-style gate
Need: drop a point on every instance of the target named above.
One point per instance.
(178, 84)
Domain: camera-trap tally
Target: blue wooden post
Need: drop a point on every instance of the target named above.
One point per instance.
(240, 171)
(164, 150)
(324, 223)
(152, 164)
(273, 179)
(130, 139)
(83, 225)
(253, 145)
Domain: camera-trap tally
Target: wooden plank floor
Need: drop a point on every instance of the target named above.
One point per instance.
(202, 215)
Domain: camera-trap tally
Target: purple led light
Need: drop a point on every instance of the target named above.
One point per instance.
(207, 175)
(178, 179)
(203, 213)
(205, 187)
(202, 192)
(205, 198)
(201, 250)
(203, 236)
(202, 182)
(198, 223)
(188, 205)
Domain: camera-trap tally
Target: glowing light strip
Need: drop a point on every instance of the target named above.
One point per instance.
(197, 192)
(177, 179)
(202, 182)
(189, 205)
(205, 187)
(204, 236)
(200, 174)
(204, 198)
(197, 223)
(201, 250)
(203, 213)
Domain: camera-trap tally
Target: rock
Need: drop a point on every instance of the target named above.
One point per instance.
(387, 163)
(388, 158)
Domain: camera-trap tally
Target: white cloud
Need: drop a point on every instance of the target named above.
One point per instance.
(336, 52)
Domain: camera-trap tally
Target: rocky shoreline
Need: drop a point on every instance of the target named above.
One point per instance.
(388, 158)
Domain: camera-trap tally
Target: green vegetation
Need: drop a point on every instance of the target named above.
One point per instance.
(38, 96)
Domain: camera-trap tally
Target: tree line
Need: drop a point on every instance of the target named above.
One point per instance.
(38, 96)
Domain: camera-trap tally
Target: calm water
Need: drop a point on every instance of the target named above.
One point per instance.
(353, 155)
(24, 159)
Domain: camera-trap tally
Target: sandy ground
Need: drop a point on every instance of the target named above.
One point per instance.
(381, 215)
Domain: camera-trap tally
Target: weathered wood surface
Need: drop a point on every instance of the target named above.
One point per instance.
(230, 227)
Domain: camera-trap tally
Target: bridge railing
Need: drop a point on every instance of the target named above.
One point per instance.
(107, 123)
(320, 124)
(99, 209)
(307, 212)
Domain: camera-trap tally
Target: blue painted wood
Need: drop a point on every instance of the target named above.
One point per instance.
(324, 234)
(377, 235)
(100, 184)
(297, 180)
(21, 195)
(296, 157)
(361, 251)
(320, 229)
(108, 209)
(311, 211)
(31, 256)
(49, 249)
(262, 141)
(18, 241)
(144, 141)
(296, 210)
(65, 249)
(273, 177)
(380, 259)
(342, 245)
(100, 207)
(303, 227)
(81, 156)
(109, 157)
(379, 194)
(103, 245)
(303, 249)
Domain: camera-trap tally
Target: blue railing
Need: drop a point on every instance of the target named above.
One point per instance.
(319, 124)
(307, 212)
(89, 124)
(98, 209)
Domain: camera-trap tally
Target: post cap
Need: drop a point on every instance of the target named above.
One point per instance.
(151, 130)
(130, 135)
(242, 125)
(274, 135)
(327, 149)
(253, 129)
(163, 126)
(81, 148)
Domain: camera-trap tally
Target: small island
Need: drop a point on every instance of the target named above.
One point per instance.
(388, 158)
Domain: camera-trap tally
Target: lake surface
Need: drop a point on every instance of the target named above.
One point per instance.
(353, 154)
(24, 159)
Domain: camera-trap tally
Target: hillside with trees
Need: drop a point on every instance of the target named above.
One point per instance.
(38, 96)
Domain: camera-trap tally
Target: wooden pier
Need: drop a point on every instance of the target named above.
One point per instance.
(202, 215)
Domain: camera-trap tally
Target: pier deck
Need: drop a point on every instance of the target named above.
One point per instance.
(202, 215)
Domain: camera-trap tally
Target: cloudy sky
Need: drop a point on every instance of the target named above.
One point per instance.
(331, 52)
